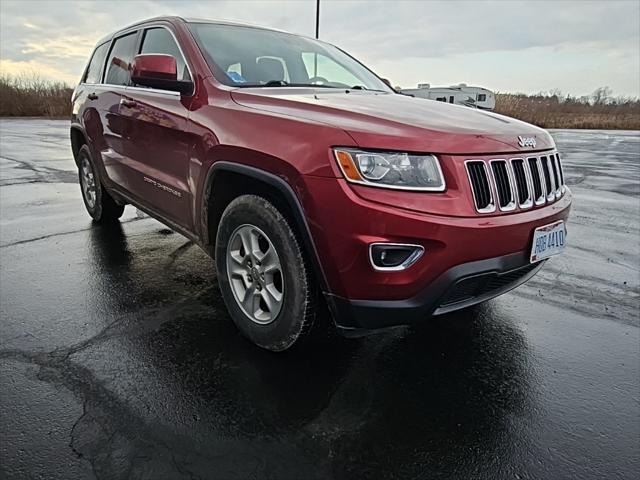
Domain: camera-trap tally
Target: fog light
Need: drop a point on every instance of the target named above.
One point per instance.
(394, 256)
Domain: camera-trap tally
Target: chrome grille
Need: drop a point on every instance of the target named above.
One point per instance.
(548, 187)
(479, 180)
(560, 173)
(515, 183)
(503, 184)
(536, 180)
(522, 181)
(556, 177)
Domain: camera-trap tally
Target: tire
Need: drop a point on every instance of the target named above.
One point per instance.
(269, 323)
(100, 205)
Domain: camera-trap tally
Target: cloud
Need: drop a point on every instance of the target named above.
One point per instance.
(582, 44)
(433, 29)
(31, 26)
(36, 69)
(68, 47)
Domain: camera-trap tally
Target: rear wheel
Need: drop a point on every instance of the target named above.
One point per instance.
(100, 205)
(263, 275)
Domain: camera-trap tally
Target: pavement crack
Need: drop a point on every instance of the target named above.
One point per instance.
(24, 164)
(59, 234)
(73, 427)
(181, 469)
(43, 174)
(181, 250)
(43, 237)
(32, 166)
(109, 434)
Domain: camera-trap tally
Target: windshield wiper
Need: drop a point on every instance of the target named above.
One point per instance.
(284, 83)
(362, 87)
(276, 83)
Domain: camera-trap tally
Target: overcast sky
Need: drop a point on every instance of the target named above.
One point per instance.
(508, 46)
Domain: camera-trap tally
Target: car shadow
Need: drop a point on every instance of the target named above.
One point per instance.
(405, 399)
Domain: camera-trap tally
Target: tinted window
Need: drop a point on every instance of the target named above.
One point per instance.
(94, 71)
(254, 57)
(159, 40)
(120, 58)
(482, 97)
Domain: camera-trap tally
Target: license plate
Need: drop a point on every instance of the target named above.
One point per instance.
(548, 240)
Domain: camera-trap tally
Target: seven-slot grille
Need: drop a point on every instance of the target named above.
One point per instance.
(479, 178)
(518, 182)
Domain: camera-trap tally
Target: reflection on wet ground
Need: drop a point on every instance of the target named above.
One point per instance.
(118, 359)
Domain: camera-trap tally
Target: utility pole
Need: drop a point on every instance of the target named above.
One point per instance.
(317, 18)
(315, 56)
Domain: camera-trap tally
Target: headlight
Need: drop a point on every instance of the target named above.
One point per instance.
(391, 169)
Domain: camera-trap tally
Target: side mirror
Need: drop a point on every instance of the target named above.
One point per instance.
(159, 71)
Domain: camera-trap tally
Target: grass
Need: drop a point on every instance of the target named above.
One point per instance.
(31, 96)
(556, 111)
(28, 95)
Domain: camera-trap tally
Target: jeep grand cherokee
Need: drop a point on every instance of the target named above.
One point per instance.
(308, 178)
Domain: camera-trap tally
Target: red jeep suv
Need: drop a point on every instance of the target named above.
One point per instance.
(307, 177)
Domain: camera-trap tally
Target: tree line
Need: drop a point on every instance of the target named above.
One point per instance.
(28, 95)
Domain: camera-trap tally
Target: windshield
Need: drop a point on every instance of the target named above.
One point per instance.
(251, 57)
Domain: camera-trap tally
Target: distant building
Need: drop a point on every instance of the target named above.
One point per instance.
(461, 94)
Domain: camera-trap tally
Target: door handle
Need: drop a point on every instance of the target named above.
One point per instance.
(92, 96)
(127, 103)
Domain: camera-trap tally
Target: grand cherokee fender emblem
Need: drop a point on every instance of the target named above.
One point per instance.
(527, 142)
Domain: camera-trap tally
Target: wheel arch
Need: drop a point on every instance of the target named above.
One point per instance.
(78, 139)
(221, 187)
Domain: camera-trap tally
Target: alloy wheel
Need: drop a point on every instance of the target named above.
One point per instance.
(88, 183)
(255, 274)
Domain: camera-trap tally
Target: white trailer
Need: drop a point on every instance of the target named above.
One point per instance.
(461, 94)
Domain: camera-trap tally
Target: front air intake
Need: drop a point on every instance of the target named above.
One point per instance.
(480, 186)
(536, 180)
(502, 180)
(525, 199)
(548, 181)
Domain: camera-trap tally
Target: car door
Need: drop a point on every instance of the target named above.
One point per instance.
(157, 140)
(91, 104)
(109, 95)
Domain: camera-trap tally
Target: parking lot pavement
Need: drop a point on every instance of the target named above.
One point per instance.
(118, 359)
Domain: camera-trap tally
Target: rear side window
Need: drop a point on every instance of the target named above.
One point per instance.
(159, 40)
(120, 59)
(94, 71)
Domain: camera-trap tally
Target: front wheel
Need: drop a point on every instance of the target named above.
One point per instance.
(264, 277)
(100, 205)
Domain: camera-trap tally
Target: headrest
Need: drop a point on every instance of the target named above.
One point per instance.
(270, 69)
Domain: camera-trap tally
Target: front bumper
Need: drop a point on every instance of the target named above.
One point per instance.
(459, 287)
(343, 224)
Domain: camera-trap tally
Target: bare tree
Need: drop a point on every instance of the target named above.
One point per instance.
(601, 96)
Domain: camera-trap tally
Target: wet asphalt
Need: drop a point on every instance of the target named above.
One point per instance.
(118, 359)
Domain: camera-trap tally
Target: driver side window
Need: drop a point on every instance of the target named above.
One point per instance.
(328, 69)
(159, 40)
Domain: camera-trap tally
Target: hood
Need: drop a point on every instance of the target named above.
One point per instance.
(398, 122)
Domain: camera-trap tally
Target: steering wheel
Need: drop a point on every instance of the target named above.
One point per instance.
(320, 80)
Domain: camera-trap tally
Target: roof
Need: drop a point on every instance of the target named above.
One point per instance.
(187, 20)
(237, 24)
